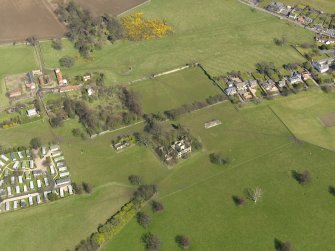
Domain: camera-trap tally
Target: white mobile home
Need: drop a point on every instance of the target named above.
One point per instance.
(37, 173)
(62, 175)
(59, 158)
(25, 189)
(44, 151)
(62, 169)
(16, 165)
(28, 153)
(31, 164)
(52, 170)
(54, 148)
(30, 198)
(17, 190)
(23, 203)
(4, 158)
(7, 207)
(64, 181)
(20, 179)
(61, 192)
(2, 164)
(20, 155)
(15, 204)
(39, 184)
(27, 174)
(9, 191)
(70, 189)
(46, 181)
(56, 154)
(38, 199)
(60, 164)
(31, 185)
(12, 155)
(12, 180)
(46, 195)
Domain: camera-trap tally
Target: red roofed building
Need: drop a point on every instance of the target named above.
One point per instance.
(59, 76)
(14, 94)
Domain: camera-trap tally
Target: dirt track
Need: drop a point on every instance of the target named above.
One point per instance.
(114, 7)
(20, 19)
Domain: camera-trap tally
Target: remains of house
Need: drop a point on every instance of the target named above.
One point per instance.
(177, 150)
(212, 123)
(34, 179)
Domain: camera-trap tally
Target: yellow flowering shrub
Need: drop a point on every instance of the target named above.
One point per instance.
(137, 27)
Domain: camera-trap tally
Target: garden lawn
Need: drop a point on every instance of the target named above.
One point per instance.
(223, 35)
(301, 114)
(174, 90)
(62, 224)
(198, 196)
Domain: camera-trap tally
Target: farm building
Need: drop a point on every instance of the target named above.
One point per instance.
(59, 77)
(32, 113)
(15, 94)
(69, 88)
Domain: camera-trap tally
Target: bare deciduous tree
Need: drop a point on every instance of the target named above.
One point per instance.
(255, 194)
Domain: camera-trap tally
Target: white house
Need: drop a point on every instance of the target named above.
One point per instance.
(31, 185)
(4, 158)
(46, 181)
(32, 113)
(323, 65)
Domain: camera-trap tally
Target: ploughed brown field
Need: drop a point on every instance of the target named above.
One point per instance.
(328, 120)
(114, 7)
(20, 19)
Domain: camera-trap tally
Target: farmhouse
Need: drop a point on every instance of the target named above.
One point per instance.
(212, 123)
(121, 145)
(32, 113)
(323, 65)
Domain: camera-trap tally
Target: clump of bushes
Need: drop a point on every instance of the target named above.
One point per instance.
(238, 200)
(157, 207)
(302, 178)
(218, 159)
(183, 241)
(143, 219)
(151, 241)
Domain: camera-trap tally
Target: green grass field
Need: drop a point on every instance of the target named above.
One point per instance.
(221, 35)
(302, 113)
(263, 155)
(174, 90)
(14, 59)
